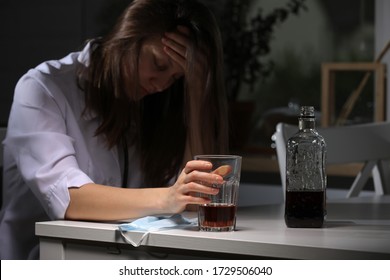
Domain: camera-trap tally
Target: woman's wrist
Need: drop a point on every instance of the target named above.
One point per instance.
(161, 201)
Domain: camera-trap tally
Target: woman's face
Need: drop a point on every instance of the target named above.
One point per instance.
(157, 71)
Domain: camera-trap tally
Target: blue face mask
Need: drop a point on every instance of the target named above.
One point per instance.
(151, 223)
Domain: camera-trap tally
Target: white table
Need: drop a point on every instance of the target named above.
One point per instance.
(356, 228)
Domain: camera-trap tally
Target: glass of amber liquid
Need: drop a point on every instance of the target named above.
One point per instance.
(220, 213)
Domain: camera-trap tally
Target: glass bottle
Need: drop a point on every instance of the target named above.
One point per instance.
(305, 204)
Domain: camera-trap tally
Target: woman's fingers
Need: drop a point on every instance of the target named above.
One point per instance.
(197, 200)
(175, 45)
(223, 170)
(199, 188)
(199, 171)
(200, 165)
(204, 177)
(176, 57)
(195, 184)
(178, 40)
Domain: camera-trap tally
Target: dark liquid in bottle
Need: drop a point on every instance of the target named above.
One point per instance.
(217, 215)
(305, 209)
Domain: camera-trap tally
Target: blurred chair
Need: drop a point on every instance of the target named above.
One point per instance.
(365, 143)
(3, 131)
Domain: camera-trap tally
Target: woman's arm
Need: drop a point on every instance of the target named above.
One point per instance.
(98, 202)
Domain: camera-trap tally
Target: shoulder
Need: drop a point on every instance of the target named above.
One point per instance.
(52, 69)
(52, 79)
(59, 69)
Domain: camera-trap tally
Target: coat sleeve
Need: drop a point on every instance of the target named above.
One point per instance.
(38, 142)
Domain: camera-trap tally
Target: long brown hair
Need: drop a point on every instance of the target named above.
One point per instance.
(168, 128)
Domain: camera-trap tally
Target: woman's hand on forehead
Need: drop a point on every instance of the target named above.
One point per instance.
(176, 44)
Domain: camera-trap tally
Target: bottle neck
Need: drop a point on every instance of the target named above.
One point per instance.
(307, 123)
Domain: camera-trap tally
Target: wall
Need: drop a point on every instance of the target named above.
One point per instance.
(39, 30)
(296, 34)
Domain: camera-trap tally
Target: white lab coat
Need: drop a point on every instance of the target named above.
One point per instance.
(49, 147)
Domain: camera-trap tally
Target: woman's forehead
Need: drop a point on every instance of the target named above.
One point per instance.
(153, 44)
(156, 47)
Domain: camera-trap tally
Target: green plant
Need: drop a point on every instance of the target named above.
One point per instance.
(247, 41)
(296, 76)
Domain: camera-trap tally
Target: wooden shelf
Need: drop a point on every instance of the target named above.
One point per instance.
(328, 95)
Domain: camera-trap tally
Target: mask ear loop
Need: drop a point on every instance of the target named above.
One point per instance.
(135, 244)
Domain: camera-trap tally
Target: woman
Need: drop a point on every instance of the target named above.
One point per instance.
(130, 110)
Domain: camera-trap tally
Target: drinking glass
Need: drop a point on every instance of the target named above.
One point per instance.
(220, 213)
